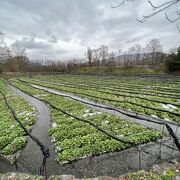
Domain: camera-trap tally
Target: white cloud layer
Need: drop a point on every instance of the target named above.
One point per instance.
(61, 29)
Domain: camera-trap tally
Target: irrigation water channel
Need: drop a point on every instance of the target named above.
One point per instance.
(111, 164)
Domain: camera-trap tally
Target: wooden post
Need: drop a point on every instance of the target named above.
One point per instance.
(15, 162)
(161, 141)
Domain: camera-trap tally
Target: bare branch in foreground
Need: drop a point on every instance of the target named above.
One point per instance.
(156, 9)
(121, 3)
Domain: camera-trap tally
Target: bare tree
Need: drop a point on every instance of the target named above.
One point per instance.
(173, 51)
(20, 60)
(158, 9)
(144, 55)
(111, 62)
(131, 52)
(89, 56)
(104, 54)
(18, 50)
(137, 52)
(97, 56)
(154, 49)
(5, 54)
(119, 52)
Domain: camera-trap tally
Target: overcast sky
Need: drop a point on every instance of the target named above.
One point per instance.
(61, 29)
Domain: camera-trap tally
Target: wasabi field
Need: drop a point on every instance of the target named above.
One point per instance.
(86, 119)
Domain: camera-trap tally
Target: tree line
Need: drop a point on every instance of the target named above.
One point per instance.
(15, 59)
(150, 55)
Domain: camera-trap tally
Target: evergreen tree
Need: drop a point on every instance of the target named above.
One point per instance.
(173, 62)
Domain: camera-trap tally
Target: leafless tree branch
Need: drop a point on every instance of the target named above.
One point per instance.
(157, 9)
(178, 27)
(121, 3)
(172, 20)
(164, 4)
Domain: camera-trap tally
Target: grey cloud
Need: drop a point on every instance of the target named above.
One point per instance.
(31, 43)
(81, 23)
(53, 39)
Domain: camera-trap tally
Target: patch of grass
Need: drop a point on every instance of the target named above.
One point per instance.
(114, 70)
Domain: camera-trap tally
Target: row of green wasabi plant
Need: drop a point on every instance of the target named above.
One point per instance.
(75, 139)
(146, 83)
(144, 107)
(12, 137)
(133, 93)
